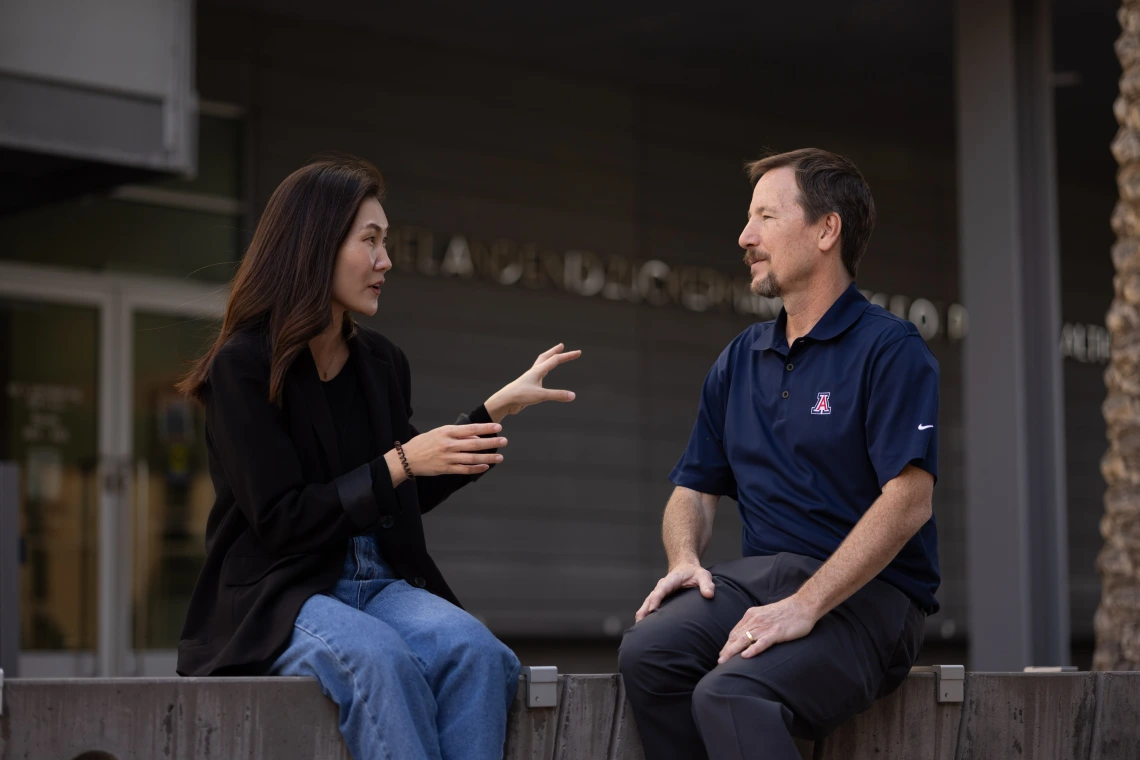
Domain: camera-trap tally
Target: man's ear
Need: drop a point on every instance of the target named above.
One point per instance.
(829, 229)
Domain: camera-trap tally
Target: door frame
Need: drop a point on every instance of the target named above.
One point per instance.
(169, 298)
(116, 298)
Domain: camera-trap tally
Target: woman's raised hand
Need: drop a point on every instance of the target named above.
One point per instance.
(527, 389)
(450, 450)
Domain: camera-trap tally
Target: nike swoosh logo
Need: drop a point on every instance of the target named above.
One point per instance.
(925, 427)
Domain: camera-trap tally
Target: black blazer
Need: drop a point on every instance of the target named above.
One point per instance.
(285, 509)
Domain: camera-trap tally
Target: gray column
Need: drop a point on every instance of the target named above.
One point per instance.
(1014, 423)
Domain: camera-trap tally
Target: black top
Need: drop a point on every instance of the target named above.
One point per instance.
(349, 416)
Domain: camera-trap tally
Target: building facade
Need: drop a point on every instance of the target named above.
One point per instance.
(567, 178)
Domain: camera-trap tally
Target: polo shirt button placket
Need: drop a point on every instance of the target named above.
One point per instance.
(797, 345)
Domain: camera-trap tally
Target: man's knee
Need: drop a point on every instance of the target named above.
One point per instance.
(634, 653)
(720, 687)
(630, 650)
(651, 660)
(719, 694)
(712, 692)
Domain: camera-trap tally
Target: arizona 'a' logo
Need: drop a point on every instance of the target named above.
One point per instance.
(823, 404)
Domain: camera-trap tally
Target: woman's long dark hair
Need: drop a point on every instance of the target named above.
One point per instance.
(285, 279)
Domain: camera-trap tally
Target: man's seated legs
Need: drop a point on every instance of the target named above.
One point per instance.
(663, 657)
(750, 708)
(837, 460)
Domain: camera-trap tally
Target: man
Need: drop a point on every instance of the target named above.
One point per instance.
(821, 425)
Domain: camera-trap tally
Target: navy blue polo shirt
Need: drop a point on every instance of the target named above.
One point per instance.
(805, 436)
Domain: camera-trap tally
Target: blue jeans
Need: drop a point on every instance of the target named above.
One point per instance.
(414, 676)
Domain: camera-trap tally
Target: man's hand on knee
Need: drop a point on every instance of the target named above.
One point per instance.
(682, 576)
(761, 627)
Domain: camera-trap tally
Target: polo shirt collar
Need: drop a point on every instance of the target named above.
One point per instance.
(775, 335)
(841, 315)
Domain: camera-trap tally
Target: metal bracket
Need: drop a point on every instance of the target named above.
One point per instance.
(949, 681)
(541, 685)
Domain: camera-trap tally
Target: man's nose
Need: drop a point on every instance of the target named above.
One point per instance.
(748, 237)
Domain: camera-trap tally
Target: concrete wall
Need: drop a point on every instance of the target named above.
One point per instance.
(1077, 716)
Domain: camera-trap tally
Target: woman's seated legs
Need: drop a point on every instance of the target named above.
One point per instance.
(472, 674)
(387, 710)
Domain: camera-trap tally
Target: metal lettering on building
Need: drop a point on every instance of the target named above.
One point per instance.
(627, 279)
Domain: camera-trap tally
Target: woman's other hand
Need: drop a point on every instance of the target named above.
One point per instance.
(527, 389)
(448, 450)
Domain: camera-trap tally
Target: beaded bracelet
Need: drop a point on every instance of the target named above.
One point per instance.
(404, 461)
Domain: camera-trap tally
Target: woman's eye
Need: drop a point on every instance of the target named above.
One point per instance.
(371, 239)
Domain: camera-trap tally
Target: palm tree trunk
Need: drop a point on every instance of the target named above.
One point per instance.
(1117, 619)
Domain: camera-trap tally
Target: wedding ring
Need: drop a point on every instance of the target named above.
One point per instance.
(749, 635)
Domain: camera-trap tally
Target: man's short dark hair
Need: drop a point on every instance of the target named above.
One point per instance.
(828, 182)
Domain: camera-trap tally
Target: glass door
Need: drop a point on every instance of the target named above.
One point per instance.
(113, 485)
(55, 408)
(171, 491)
(103, 298)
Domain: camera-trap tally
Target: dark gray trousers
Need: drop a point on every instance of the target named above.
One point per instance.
(687, 707)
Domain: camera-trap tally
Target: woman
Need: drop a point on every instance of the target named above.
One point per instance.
(315, 557)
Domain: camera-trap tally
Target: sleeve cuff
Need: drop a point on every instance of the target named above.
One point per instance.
(695, 482)
(478, 416)
(357, 497)
(894, 469)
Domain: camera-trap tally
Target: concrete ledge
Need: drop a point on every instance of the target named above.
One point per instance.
(1025, 715)
(1084, 716)
(910, 723)
(169, 718)
(1116, 730)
